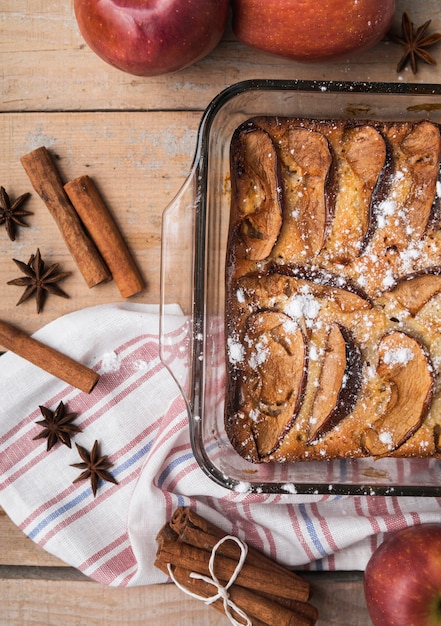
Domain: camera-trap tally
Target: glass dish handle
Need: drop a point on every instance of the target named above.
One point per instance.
(176, 335)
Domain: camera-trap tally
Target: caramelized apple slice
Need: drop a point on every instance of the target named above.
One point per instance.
(422, 147)
(343, 292)
(362, 174)
(415, 290)
(257, 191)
(405, 368)
(302, 300)
(276, 375)
(368, 155)
(309, 201)
(408, 212)
(339, 382)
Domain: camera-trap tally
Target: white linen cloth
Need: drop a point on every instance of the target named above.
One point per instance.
(139, 418)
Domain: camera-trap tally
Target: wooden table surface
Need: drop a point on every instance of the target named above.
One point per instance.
(136, 138)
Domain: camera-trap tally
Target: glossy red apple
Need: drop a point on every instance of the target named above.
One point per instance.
(402, 580)
(311, 30)
(151, 37)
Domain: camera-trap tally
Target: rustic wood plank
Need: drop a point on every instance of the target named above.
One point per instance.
(41, 602)
(42, 47)
(16, 548)
(115, 149)
(35, 597)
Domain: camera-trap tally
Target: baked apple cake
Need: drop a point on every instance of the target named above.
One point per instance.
(333, 290)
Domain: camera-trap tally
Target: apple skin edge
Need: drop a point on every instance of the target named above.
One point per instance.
(151, 37)
(402, 581)
(308, 30)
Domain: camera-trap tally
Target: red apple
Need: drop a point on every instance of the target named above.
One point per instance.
(311, 30)
(151, 37)
(402, 580)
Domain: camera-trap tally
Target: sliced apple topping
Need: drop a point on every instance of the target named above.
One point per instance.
(422, 147)
(337, 290)
(362, 170)
(276, 372)
(405, 367)
(415, 290)
(408, 211)
(308, 195)
(370, 158)
(258, 183)
(339, 382)
(302, 300)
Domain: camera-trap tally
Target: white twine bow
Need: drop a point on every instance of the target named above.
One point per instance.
(222, 591)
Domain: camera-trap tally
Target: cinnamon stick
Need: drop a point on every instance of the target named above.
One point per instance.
(198, 587)
(47, 358)
(261, 610)
(304, 609)
(251, 576)
(47, 182)
(195, 530)
(95, 215)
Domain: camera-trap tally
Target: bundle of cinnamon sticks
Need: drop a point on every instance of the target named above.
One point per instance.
(268, 593)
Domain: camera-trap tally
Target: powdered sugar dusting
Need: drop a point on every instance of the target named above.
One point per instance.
(236, 351)
(110, 362)
(386, 438)
(398, 356)
(303, 305)
(260, 354)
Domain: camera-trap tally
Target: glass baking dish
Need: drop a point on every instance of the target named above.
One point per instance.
(195, 227)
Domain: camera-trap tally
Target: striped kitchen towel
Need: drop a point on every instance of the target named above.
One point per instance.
(139, 418)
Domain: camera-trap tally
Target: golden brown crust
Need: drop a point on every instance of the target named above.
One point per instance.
(333, 290)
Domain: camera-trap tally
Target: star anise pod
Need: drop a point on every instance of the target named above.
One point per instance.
(38, 280)
(415, 43)
(95, 467)
(57, 426)
(11, 213)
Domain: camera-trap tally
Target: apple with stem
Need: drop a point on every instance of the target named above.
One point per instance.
(151, 37)
(402, 581)
(312, 30)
